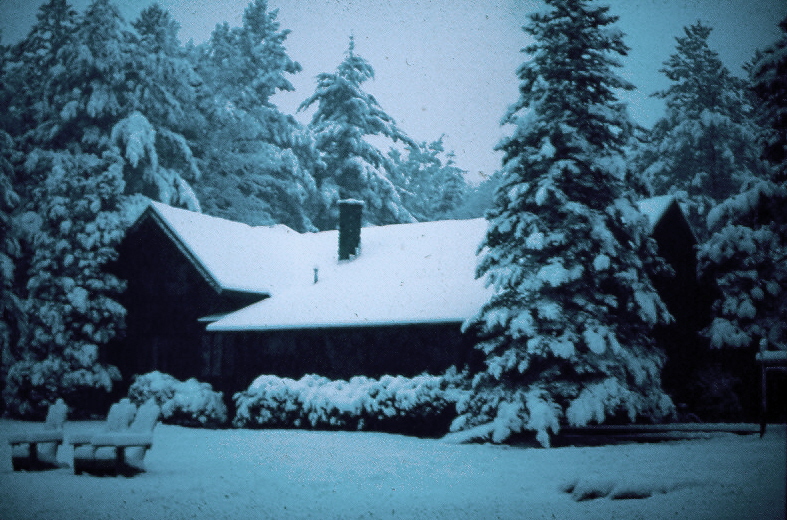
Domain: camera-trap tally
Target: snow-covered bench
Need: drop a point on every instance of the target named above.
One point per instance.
(37, 449)
(119, 418)
(119, 451)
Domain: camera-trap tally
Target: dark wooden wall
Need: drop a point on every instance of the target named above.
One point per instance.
(165, 297)
(714, 384)
(237, 358)
(687, 301)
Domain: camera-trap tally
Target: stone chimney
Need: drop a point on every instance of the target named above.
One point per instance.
(350, 211)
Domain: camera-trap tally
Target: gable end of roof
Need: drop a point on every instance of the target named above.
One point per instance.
(152, 214)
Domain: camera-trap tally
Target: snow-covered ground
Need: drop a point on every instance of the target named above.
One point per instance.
(283, 474)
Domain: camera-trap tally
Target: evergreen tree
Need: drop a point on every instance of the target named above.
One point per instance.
(702, 150)
(480, 199)
(747, 253)
(71, 311)
(103, 116)
(566, 334)
(351, 167)
(258, 161)
(9, 245)
(9, 250)
(158, 134)
(431, 187)
(769, 84)
(28, 72)
(98, 91)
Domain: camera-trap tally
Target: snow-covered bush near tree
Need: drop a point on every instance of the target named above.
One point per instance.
(187, 403)
(423, 404)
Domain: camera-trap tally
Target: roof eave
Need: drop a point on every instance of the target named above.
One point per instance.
(218, 327)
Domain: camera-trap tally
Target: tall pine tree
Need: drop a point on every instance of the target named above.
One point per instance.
(29, 72)
(352, 167)
(9, 246)
(71, 309)
(768, 75)
(703, 149)
(747, 253)
(566, 334)
(163, 122)
(91, 85)
(87, 134)
(428, 180)
(257, 160)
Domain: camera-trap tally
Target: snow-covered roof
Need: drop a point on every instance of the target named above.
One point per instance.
(405, 273)
(236, 256)
(654, 208)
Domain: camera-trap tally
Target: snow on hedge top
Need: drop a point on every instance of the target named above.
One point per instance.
(405, 273)
(237, 256)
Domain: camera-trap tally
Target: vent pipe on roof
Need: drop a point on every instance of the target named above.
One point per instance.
(350, 211)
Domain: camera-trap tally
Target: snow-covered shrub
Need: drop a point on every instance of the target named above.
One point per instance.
(744, 257)
(186, 403)
(420, 405)
(272, 402)
(156, 385)
(195, 404)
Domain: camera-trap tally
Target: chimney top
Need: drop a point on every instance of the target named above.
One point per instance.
(350, 211)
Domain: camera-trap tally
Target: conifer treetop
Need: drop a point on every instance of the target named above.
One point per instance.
(700, 79)
(340, 98)
(702, 150)
(569, 79)
(351, 166)
(769, 83)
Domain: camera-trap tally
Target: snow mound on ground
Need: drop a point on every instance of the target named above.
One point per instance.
(477, 434)
(621, 488)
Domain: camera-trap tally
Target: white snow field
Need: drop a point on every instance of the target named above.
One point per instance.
(283, 474)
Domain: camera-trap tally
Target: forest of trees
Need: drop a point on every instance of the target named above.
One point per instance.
(99, 114)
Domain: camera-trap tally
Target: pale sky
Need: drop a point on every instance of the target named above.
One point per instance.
(449, 66)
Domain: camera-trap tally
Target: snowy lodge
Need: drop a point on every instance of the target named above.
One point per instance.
(224, 302)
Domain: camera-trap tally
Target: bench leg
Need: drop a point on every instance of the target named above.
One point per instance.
(34, 455)
(763, 400)
(24, 461)
(20, 463)
(84, 458)
(120, 460)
